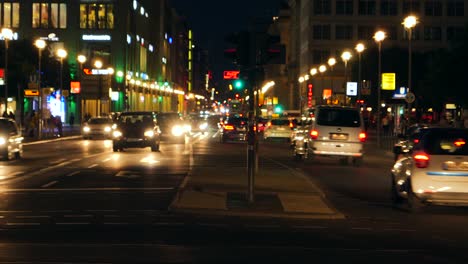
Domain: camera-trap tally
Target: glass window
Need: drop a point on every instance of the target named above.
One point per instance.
(7, 14)
(92, 16)
(97, 16)
(110, 16)
(445, 142)
(388, 8)
(344, 7)
(391, 32)
(367, 7)
(322, 7)
(44, 15)
(15, 15)
(36, 15)
(344, 32)
(321, 31)
(365, 32)
(411, 6)
(432, 33)
(319, 56)
(455, 8)
(83, 15)
(338, 117)
(433, 8)
(53, 15)
(101, 16)
(455, 33)
(63, 16)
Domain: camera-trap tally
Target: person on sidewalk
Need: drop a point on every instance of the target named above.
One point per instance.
(71, 120)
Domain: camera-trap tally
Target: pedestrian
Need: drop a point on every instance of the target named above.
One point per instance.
(11, 115)
(71, 119)
(385, 124)
(58, 124)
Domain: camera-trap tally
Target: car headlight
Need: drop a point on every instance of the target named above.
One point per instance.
(149, 133)
(177, 131)
(114, 126)
(187, 128)
(117, 133)
(203, 126)
(107, 129)
(2, 141)
(86, 129)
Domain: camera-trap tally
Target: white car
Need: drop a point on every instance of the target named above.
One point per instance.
(336, 131)
(97, 127)
(435, 171)
(280, 128)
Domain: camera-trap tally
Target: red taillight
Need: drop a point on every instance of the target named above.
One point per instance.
(228, 127)
(421, 160)
(459, 143)
(269, 124)
(314, 134)
(416, 141)
(362, 137)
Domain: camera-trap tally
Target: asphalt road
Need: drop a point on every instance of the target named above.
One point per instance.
(76, 201)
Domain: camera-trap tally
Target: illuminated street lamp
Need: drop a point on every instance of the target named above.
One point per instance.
(301, 80)
(98, 65)
(40, 45)
(409, 23)
(7, 35)
(379, 36)
(331, 63)
(346, 56)
(359, 48)
(81, 60)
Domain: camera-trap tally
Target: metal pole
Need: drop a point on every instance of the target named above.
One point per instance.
(6, 75)
(359, 77)
(409, 66)
(378, 94)
(39, 126)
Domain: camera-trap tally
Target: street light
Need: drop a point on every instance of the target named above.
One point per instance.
(409, 22)
(7, 35)
(301, 80)
(379, 36)
(98, 65)
(359, 48)
(40, 45)
(331, 63)
(322, 68)
(81, 60)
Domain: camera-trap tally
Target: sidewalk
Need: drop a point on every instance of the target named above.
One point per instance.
(280, 192)
(68, 133)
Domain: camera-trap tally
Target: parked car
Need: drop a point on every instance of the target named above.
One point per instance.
(434, 171)
(234, 129)
(11, 140)
(97, 127)
(136, 130)
(336, 131)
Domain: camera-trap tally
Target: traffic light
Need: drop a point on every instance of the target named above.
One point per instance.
(239, 84)
(278, 109)
(274, 51)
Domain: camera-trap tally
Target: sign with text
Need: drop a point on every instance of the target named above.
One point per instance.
(31, 92)
(75, 87)
(230, 75)
(388, 81)
(351, 88)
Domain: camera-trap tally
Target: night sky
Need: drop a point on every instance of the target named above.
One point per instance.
(212, 20)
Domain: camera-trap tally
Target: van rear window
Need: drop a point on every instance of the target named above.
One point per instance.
(338, 117)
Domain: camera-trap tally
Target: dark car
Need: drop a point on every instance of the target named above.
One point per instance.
(173, 127)
(136, 130)
(234, 129)
(11, 141)
(407, 141)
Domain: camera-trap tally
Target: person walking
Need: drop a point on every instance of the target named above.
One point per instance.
(71, 120)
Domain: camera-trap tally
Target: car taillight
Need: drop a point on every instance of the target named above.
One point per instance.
(228, 127)
(362, 137)
(416, 141)
(421, 160)
(314, 134)
(269, 124)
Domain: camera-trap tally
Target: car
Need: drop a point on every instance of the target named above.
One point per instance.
(234, 129)
(173, 127)
(198, 124)
(11, 140)
(300, 128)
(262, 124)
(136, 130)
(435, 171)
(280, 128)
(97, 127)
(406, 141)
(336, 131)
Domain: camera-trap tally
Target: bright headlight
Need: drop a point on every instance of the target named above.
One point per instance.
(187, 128)
(177, 131)
(114, 126)
(203, 126)
(107, 129)
(149, 133)
(86, 129)
(2, 141)
(117, 133)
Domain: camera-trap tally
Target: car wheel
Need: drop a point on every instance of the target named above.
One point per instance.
(415, 205)
(155, 148)
(344, 161)
(115, 148)
(18, 155)
(357, 162)
(298, 157)
(396, 198)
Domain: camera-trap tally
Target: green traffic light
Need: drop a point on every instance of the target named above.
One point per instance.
(238, 84)
(278, 109)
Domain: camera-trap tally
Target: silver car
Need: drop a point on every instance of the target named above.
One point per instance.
(97, 127)
(11, 140)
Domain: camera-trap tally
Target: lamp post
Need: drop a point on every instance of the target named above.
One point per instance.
(379, 36)
(81, 60)
(98, 65)
(313, 72)
(40, 45)
(409, 22)
(359, 48)
(331, 62)
(61, 53)
(322, 68)
(110, 72)
(301, 80)
(346, 56)
(7, 35)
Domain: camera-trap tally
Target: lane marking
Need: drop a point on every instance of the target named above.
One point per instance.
(89, 189)
(10, 175)
(72, 223)
(49, 184)
(73, 173)
(92, 166)
(106, 160)
(71, 216)
(57, 161)
(75, 160)
(31, 216)
(21, 224)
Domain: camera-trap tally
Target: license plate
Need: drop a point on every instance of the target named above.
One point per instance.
(450, 165)
(338, 136)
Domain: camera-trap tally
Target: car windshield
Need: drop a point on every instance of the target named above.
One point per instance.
(99, 121)
(135, 119)
(338, 117)
(280, 122)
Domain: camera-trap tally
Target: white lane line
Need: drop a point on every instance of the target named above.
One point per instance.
(87, 189)
(75, 160)
(70, 216)
(57, 161)
(49, 184)
(106, 160)
(31, 216)
(22, 224)
(10, 175)
(73, 173)
(73, 223)
(310, 227)
(92, 166)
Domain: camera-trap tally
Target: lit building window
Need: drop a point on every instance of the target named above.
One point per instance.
(97, 16)
(49, 15)
(9, 14)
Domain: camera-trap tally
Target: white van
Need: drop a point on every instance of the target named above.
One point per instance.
(336, 131)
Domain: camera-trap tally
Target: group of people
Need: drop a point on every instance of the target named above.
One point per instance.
(52, 124)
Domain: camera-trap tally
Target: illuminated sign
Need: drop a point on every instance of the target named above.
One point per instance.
(351, 88)
(75, 87)
(96, 37)
(88, 71)
(31, 92)
(327, 93)
(229, 75)
(388, 81)
(309, 95)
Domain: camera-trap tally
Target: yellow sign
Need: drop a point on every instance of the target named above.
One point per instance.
(30, 92)
(388, 81)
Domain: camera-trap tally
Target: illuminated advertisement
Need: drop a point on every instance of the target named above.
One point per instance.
(56, 106)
